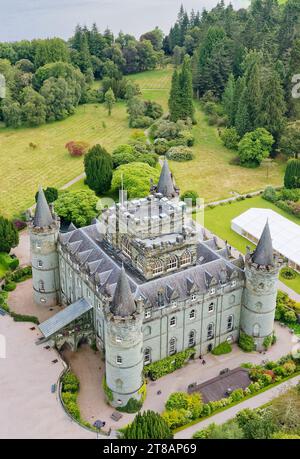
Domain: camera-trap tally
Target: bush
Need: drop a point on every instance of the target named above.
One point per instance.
(270, 194)
(165, 129)
(230, 138)
(190, 402)
(176, 418)
(255, 146)
(98, 169)
(180, 154)
(237, 395)
(14, 264)
(19, 275)
(246, 342)
(24, 318)
(9, 236)
(132, 406)
(51, 194)
(290, 316)
(222, 348)
(148, 425)
(161, 146)
(141, 122)
(10, 286)
(136, 178)
(77, 148)
(187, 137)
(70, 383)
(167, 365)
(107, 390)
(190, 194)
(288, 273)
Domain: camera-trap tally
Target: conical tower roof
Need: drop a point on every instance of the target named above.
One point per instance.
(263, 254)
(123, 304)
(42, 216)
(165, 184)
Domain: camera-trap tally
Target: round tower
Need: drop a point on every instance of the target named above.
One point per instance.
(124, 345)
(259, 303)
(44, 229)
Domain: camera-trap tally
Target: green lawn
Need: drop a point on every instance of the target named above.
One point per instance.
(218, 220)
(49, 164)
(5, 260)
(210, 173)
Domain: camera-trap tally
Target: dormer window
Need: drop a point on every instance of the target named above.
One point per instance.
(174, 304)
(212, 291)
(193, 297)
(233, 283)
(147, 314)
(160, 299)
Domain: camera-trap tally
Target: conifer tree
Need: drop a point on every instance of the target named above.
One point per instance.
(242, 119)
(148, 425)
(229, 100)
(186, 89)
(98, 168)
(174, 99)
(292, 174)
(9, 236)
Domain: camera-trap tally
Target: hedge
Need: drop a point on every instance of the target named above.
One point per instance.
(222, 348)
(169, 364)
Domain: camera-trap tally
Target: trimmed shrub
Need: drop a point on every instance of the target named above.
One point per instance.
(222, 348)
(288, 273)
(270, 194)
(132, 406)
(246, 342)
(187, 137)
(77, 148)
(70, 383)
(10, 286)
(180, 154)
(24, 318)
(292, 174)
(167, 365)
(141, 122)
(14, 264)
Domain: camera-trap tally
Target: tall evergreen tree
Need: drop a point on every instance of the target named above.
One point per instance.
(175, 98)
(9, 236)
(98, 168)
(242, 118)
(272, 105)
(186, 89)
(229, 100)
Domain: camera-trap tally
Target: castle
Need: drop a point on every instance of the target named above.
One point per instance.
(144, 283)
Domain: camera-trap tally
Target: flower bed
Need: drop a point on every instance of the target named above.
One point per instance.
(168, 365)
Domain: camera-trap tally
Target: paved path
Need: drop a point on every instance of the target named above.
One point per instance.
(75, 180)
(253, 402)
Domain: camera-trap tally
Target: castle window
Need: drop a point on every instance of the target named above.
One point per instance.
(157, 267)
(256, 330)
(174, 304)
(43, 300)
(192, 338)
(172, 346)
(212, 291)
(211, 307)
(172, 263)
(147, 356)
(118, 339)
(230, 322)
(40, 263)
(41, 286)
(193, 297)
(210, 331)
(119, 360)
(160, 299)
(38, 245)
(233, 283)
(119, 384)
(147, 314)
(192, 314)
(173, 321)
(186, 258)
(126, 247)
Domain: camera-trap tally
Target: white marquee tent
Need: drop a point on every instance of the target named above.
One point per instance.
(285, 234)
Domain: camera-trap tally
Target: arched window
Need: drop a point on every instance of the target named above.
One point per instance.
(157, 267)
(192, 314)
(172, 346)
(210, 331)
(119, 384)
(147, 356)
(256, 330)
(41, 286)
(186, 258)
(119, 360)
(173, 321)
(192, 338)
(172, 263)
(126, 247)
(147, 331)
(230, 322)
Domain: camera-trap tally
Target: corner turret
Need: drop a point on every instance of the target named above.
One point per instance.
(259, 302)
(44, 229)
(124, 344)
(166, 185)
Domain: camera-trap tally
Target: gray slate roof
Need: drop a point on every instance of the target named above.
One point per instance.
(42, 216)
(165, 184)
(64, 317)
(263, 254)
(123, 304)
